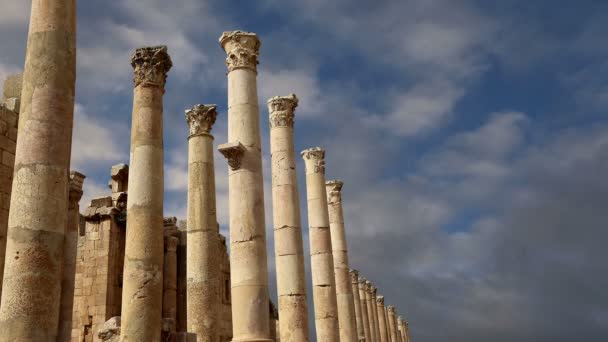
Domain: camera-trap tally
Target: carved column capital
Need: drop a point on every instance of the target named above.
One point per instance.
(242, 49)
(368, 287)
(201, 118)
(150, 66)
(334, 191)
(391, 309)
(374, 290)
(233, 152)
(282, 110)
(380, 300)
(76, 182)
(171, 243)
(354, 276)
(314, 159)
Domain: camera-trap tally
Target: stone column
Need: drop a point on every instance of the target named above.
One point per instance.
(362, 284)
(382, 326)
(69, 256)
(39, 206)
(402, 324)
(170, 278)
(392, 324)
(143, 270)
(354, 279)
(249, 279)
(322, 262)
(371, 310)
(374, 291)
(289, 250)
(344, 292)
(203, 267)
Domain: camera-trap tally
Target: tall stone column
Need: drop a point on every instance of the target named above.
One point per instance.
(322, 262)
(382, 326)
(203, 266)
(170, 278)
(344, 292)
(38, 212)
(69, 256)
(249, 278)
(364, 313)
(402, 325)
(374, 291)
(289, 250)
(142, 295)
(392, 324)
(371, 310)
(354, 279)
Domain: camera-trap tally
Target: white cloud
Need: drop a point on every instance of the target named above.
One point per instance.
(303, 83)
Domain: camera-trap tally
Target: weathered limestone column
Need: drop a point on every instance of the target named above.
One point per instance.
(354, 278)
(38, 213)
(364, 313)
(344, 292)
(402, 325)
(142, 295)
(289, 250)
(392, 324)
(203, 265)
(322, 262)
(249, 278)
(382, 325)
(170, 278)
(69, 256)
(371, 310)
(374, 290)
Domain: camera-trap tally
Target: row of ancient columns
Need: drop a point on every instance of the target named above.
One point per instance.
(37, 233)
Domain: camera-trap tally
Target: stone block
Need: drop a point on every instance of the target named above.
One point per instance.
(12, 86)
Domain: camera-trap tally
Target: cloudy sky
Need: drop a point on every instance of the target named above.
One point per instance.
(471, 136)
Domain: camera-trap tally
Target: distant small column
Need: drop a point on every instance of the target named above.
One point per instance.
(371, 311)
(69, 256)
(322, 263)
(344, 292)
(142, 296)
(375, 314)
(289, 249)
(364, 313)
(170, 278)
(392, 324)
(402, 325)
(354, 279)
(382, 326)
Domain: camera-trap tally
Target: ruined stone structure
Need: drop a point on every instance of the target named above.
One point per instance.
(289, 249)
(322, 263)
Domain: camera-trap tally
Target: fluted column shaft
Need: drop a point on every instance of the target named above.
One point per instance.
(203, 263)
(382, 325)
(248, 262)
(344, 292)
(38, 214)
(364, 312)
(354, 278)
(322, 263)
(289, 250)
(142, 294)
(392, 324)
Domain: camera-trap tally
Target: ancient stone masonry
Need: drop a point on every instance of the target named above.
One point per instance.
(382, 325)
(203, 271)
(9, 116)
(322, 264)
(354, 278)
(344, 292)
(363, 295)
(246, 190)
(289, 249)
(39, 207)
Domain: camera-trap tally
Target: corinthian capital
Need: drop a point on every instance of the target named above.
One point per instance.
(75, 183)
(334, 191)
(314, 159)
(201, 118)
(374, 291)
(242, 50)
(171, 243)
(282, 110)
(368, 286)
(391, 309)
(380, 300)
(354, 276)
(150, 66)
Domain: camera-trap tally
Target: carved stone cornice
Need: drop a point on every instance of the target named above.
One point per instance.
(242, 49)
(380, 300)
(314, 158)
(354, 276)
(150, 66)
(76, 182)
(334, 191)
(201, 118)
(282, 110)
(391, 309)
(233, 152)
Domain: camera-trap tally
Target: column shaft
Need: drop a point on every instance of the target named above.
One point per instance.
(371, 311)
(375, 314)
(392, 324)
(322, 263)
(382, 326)
(364, 313)
(142, 295)
(289, 250)
(344, 292)
(203, 265)
(170, 278)
(354, 274)
(39, 207)
(248, 262)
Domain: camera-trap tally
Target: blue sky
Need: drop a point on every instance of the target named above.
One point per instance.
(471, 136)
